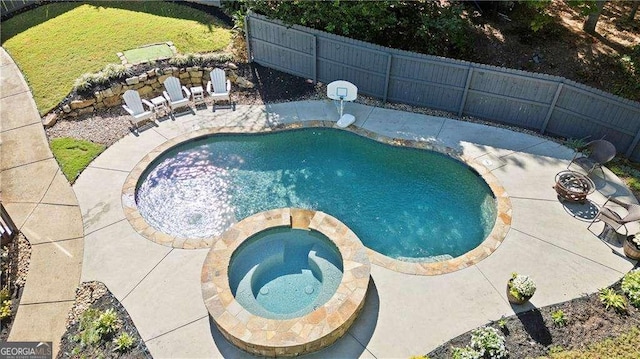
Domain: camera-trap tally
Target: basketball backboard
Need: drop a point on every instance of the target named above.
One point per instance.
(342, 90)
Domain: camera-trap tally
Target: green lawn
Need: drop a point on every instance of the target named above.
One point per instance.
(74, 155)
(56, 43)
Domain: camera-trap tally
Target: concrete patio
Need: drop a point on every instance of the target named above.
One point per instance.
(404, 314)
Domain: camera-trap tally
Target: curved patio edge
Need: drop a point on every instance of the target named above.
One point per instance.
(43, 205)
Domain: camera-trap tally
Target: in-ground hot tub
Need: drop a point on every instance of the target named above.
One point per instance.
(285, 282)
(283, 273)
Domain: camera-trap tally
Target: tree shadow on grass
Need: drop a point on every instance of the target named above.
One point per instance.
(39, 13)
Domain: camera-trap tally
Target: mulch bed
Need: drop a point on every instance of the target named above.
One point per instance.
(532, 334)
(14, 272)
(95, 295)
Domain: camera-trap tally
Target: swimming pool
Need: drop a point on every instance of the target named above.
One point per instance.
(406, 203)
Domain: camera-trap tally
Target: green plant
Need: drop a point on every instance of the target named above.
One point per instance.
(465, 353)
(555, 349)
(4, 294)
(559, 318)
(488, 342)
(631, 287)
(107, 322)
(5, 309)
(199, 59)
(611, 299)
(521, 286)
(575, 143)
(124, 342)
(87, 335)
(74, 155)
(623, 346)
(502, 323)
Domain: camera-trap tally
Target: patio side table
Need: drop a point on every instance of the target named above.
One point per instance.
(160, 104)
(197, 94)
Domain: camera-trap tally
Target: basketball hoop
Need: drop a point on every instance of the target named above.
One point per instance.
(342, 91)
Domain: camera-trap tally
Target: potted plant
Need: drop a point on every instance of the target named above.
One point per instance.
(520, 288)
(632, 246)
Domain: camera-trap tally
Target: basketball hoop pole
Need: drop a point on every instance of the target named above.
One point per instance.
(341, 105)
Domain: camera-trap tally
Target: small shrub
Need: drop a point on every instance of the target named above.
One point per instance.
(575, 143)
(124, 342)
(631, 287)
(116, 71)
(4, 295)
(558, 318)
(465, 353)
(188, 60)
(88, 335)
(107, 322)
(488, 342)
(611, 299)
(502, 323)
(5, 309)
(521, 286)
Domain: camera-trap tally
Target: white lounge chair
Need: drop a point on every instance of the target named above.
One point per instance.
(133, 105)
(219, 88)
(176, 96)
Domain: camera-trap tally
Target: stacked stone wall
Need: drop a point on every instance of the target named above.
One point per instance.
(149, 84)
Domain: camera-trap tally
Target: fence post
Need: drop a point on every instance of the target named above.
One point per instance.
(466, 91)
(315, 59)
(247, 37)
(633, 145)
(386, 78)
(551, 108)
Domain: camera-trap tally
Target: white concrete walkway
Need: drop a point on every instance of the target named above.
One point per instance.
(404, 315)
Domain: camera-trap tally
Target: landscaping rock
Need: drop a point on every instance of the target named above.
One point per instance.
(151, 73)
(195, 74)
(77, 104)
(145, 90)
(50, 120)
(232, 66)
(183, 75)
(132, 80)
(66, 108)
(82, 111)
(244, 83)
(138, 86)
(112, 101)
(107, 93)
(98, 96)
(143, 77)
(117, 89)
(162, 78)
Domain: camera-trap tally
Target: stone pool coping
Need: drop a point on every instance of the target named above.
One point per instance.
(483, 250)
(290, 337)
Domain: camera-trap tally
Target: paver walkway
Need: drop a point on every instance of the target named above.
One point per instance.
(42, 204)
(404, 315)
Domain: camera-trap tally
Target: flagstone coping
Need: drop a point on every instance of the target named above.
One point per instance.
(483, 250)
(288, 337)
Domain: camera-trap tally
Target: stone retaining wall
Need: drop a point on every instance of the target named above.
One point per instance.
(149, 84)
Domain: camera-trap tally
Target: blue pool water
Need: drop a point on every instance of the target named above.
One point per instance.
(405, 203)
(283, 273)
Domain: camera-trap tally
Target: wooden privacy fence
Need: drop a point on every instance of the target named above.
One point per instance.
(549, 104)
(9, 6)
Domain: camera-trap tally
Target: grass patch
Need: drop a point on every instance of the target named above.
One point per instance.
(56, 43)
(628, 171)
(148, 53)
(625, 346)
(74, 155)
